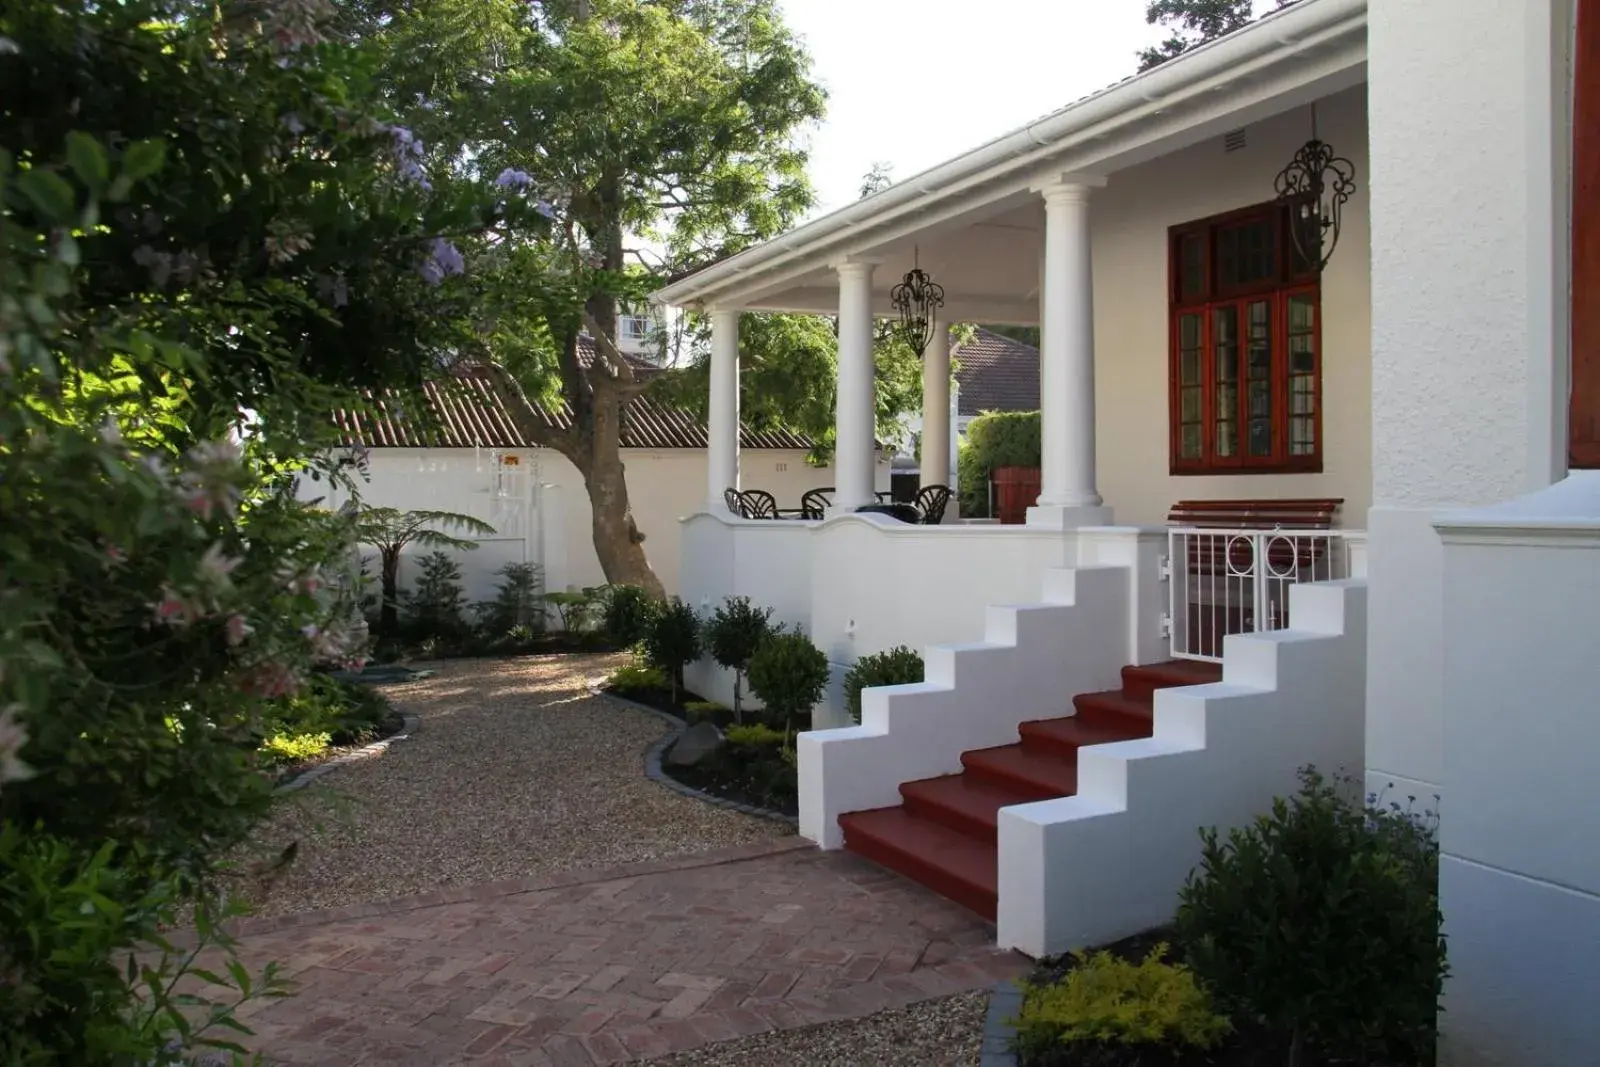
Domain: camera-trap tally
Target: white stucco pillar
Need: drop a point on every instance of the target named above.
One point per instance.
(1067, 493)
(722, 444)
(855, 403)
(934, 463)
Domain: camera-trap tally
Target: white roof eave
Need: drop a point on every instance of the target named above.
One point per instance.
(1028, 150)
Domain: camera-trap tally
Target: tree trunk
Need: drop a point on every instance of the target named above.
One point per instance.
(617, 540)
(389, 613)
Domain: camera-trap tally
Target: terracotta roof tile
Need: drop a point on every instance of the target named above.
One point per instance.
(997, 374)
(472, 409)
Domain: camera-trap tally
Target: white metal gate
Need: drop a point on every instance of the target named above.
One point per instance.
(1224, 581)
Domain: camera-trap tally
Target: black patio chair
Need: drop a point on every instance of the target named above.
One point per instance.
(931, 502)
(814, 503)
(756, 504)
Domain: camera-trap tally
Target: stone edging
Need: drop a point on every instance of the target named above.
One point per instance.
(652, 762)
(1004, 1004)
(408, 726)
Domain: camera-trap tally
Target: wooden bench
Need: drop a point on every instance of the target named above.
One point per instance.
(1214, 556)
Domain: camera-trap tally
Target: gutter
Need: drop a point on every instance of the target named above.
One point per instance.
(1280, 34)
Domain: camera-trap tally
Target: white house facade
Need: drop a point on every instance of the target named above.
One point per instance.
(1373, 459)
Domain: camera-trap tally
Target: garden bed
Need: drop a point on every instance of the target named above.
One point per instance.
(1248, 1046)
(391, 725)
(750, 773)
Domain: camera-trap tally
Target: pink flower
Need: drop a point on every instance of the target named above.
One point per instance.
(215, 567)
(237, 629)
(269, 681)
(174, 610)
(115, 554)
(12, 738)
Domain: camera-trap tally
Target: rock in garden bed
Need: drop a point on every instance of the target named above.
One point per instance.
(752, 766)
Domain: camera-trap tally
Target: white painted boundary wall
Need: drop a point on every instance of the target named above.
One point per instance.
(1108, 862)
(1031, 662)
(1519, 874)
(859, 584)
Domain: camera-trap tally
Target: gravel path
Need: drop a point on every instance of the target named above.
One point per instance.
(934, 1033)
(516, 771)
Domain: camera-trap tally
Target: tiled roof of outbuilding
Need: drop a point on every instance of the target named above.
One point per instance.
(474, 408)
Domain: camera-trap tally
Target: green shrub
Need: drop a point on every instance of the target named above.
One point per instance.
(633, 678)
(732, 635)
(627, 613)
(755, 735)
(575, 607)
(703, 711)
(1115, 1008)
(994, 439)
(789, 674)
(435, 606)
(514, 612)
(898, 666)
(672, 641)
(293, 748)
(1322, 919)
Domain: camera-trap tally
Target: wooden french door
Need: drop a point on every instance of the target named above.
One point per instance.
(1584, 422)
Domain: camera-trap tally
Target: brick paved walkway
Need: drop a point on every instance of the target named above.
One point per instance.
(613, 965)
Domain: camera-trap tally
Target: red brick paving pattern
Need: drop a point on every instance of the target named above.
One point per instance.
(615, 965)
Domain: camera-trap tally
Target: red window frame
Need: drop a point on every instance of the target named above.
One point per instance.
(1283, 281)
(1583, 423)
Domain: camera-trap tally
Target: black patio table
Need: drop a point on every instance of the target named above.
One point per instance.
(903, 512)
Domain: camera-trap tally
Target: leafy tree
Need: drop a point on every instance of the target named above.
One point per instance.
(627, 613)
(210, 233)
(789, 674)
(635, 119)
(673, 641)
(1193, 23)
(436, 605)
(390, 530)
(899, 665)
(732, 634)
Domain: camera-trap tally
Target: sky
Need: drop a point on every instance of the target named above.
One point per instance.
(912, 83)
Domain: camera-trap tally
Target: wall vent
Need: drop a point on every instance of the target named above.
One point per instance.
(1233, 140)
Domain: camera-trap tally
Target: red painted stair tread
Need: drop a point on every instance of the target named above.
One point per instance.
(1063, 737)
(960, 802)
(1037, 776)
(947, 861)
(943, 835)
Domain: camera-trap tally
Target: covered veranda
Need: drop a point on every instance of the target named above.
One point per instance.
(1065, 224)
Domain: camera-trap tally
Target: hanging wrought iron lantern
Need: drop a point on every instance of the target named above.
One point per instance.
(1315, 186)
(915, 300)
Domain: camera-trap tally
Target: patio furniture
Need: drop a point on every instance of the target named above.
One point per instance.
(751, 503)
(814, 503)
(930, 503)
(906, 513)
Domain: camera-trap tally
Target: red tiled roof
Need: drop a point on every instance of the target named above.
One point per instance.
(997, 374)
(472, 409)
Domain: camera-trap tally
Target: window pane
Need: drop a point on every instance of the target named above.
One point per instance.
(1247, 253)
(1189, 443)
(1302, 375)
(1189, 331)
(1189, 404)
(1225, 336)
(1192, 267)
(1189, 367)
(1259, 376)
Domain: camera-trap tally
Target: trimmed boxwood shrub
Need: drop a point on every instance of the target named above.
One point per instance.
(897, 666)
(789, 674)
(732, 634)
(995, 439)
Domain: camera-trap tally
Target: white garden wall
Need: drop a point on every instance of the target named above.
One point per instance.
(1108, 862)
(541, 508)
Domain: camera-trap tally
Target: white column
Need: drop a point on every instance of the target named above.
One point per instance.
(855, 401)
(934, 462)
(1067, 494)
(722, 443)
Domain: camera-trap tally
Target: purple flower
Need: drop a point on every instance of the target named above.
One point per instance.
(292, 123)
(545, 208)
(443, 259)
(512, 178)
